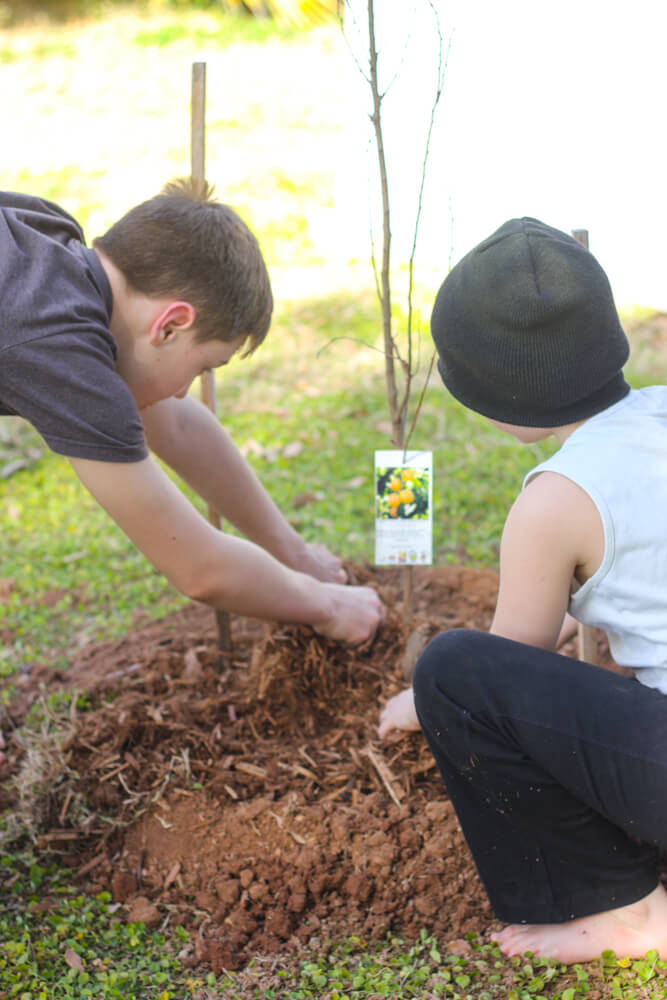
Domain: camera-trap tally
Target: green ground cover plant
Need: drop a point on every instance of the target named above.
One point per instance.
(308, 411)
(57, 943)
(54, 942)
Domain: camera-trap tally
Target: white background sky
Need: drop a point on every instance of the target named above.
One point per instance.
(555, 110)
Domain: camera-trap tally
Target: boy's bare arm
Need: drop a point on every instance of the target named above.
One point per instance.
(186, 435)
(218, 569)
(552, 533)
(568, 630)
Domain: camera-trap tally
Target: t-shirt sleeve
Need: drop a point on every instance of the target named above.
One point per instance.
(66, 386)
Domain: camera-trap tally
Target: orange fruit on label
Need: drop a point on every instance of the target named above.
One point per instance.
(407, 474)
(406, 496)
(396, 484)
(394, 499)
(393, 512)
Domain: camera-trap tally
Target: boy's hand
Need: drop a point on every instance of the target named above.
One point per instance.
(317, 561)
(399, 713)
(357, 613)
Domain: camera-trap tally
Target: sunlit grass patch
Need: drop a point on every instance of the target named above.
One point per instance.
(65, 187)
(229, 30)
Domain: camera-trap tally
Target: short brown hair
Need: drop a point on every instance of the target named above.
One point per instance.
(185, 243)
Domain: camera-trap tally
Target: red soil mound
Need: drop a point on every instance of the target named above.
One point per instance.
(253, 803)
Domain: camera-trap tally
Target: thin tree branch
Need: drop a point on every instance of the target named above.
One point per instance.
(398, 399)
(340, 6)
(385, 297)
(401, 62)
(442, 69)
(419, 403)
(358, 340)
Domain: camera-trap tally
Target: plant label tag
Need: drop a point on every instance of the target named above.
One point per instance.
(403, 508)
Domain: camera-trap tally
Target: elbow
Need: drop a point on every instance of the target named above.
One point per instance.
(199, 588)
(205, 585)
(214, 568)
(194, 561)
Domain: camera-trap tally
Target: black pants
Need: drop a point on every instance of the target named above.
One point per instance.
(556, 769)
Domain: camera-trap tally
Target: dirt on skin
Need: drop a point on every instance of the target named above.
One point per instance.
(251, 802)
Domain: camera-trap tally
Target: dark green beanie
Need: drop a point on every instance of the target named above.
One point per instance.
(527, 331)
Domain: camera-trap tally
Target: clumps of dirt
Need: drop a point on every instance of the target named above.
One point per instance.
(251, 802)
(270, 874)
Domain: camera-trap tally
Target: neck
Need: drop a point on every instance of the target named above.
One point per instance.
(562, 433)
(131, 311)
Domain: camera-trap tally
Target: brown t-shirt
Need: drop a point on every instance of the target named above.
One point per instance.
(57, 354)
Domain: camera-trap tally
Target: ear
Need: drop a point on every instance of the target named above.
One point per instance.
(174, 318)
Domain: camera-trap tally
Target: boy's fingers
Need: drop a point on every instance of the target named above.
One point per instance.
(385, 725)
(388, 729)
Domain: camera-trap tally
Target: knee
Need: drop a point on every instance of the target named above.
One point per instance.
(449, 667)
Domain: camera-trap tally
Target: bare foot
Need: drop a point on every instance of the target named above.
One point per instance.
(629, 931)
(399, 713)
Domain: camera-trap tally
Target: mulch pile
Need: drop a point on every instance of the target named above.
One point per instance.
(251, 801)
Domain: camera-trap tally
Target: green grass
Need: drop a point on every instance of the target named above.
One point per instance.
(229, 31)
(42, 50)
(57, 943)
(350, 971)
(63, 185)
(318, 380)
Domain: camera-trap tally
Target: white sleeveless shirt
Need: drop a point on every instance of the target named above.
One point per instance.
(619, 458)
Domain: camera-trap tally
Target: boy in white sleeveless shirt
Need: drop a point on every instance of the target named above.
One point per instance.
(557, 769)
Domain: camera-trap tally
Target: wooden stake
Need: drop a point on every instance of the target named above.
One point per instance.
(198, 122)
(207, 380)
(586, 634)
